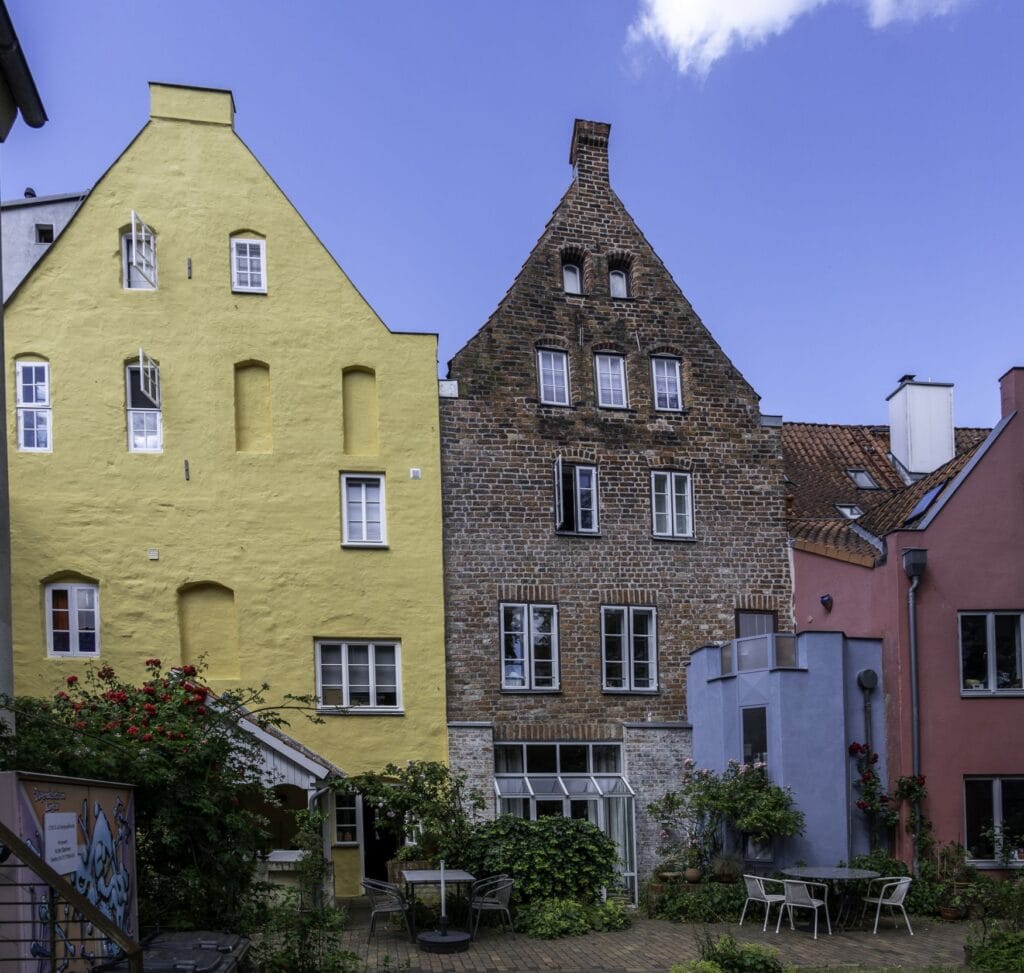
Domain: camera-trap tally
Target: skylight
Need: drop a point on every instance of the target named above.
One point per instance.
(862, 479)
(925, 502)
(849, 510)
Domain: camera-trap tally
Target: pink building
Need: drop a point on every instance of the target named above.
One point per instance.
(871, 510)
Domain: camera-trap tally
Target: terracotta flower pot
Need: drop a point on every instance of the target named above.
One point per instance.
(692, 875)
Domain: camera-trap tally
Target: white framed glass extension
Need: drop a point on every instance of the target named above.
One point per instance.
(611, 381)
(990, 653)
(358, 675)
(362, 508)
(570, 780)
(553, 376)
(529, 647)
(33, 405)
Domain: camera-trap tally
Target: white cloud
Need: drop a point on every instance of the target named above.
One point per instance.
(696, 33)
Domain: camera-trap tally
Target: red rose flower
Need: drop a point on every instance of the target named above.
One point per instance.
(63, 695)
(149, 708)
(188, 670)
(133, 731)
(153, 663)
(71, 680)
(201, 710)
(146, 737)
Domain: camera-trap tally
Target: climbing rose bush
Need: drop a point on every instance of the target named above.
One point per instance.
(195, 772)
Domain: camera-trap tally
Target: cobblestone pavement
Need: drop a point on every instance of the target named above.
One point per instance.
(652, 946)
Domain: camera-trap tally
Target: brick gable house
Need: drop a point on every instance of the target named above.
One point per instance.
(613, 499)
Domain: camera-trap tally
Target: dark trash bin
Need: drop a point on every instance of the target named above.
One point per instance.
(189, 952)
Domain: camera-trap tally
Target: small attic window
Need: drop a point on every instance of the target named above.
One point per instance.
(849, 510)
(862, 479)
(44, 233)
(572, 279)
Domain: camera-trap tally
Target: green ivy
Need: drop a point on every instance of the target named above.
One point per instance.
(551, 858)
(708, 902)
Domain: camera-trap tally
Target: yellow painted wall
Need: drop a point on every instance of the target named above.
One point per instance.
(263, 522)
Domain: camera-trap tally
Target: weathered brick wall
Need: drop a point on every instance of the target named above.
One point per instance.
(471, 755)
(499, 443)
(654, 757)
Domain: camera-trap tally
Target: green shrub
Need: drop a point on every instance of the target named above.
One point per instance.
(1003, 951)
(696, 966)
(709, 902)
(553, 918)
(733, 957)
(609, 916)
(551, 858)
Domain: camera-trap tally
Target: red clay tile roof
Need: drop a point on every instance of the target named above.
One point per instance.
(816, 458)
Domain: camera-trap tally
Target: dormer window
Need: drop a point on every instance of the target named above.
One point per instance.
(618, 283)
(138, 256)
(862, 479)
(572, 278)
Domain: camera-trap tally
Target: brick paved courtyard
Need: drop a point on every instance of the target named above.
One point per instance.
(653, 945)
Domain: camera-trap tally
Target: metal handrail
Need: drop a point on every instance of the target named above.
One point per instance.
(131, 949)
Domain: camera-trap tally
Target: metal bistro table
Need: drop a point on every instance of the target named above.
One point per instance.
(839, 879)
(432, 876)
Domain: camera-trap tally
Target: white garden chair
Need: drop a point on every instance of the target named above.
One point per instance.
(890, 892)
(798, 896)
(757, 891)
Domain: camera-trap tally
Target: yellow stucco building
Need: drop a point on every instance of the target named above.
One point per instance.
(218, 449)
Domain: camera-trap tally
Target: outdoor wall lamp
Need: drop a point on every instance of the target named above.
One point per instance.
(826, 601)
(914, 561)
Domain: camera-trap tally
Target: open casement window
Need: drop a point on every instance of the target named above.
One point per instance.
(629, 649)
(72, 620)
(362, 505)
(358, 675)
(575, 498)
(553, 376)
(145, 418)
(529, 647)
(139, 256)
(611, 381)
(668, 395)
(990, 653)
(248, 265)
(672, 504)
(33, 404)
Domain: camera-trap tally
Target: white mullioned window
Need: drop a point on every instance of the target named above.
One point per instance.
(348, 819)
(990, 652)
(72, 619)
(671, 504)
(629, 649)
(668, 394)
(618, 283)
(248, 265)
(529, 646)
(611, 381)
(33, 405)
(358, 674)
(994, 819)
(138, 257)
(575, 498)
(144, 409)
(362, 504)
(553, 376)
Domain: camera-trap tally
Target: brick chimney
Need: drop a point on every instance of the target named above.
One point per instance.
(589, 152)
(1011, 390)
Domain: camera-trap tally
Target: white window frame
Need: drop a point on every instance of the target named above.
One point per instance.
(672, 377)
(356, 824)
(672, 512)
(138, 257)
(559, 369)
(612, 367)
(73, 588)
(579, 491)
(851, 511)
(531, 682)
(992, 688)
(632, 683)
(995, 781)
(345, 686)
(617, 273)
(862, 479)
(238, 285)
(146, 422)
(348, 531)
(570, 265)
(39, 409)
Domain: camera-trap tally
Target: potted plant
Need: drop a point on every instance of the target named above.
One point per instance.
(952, 907)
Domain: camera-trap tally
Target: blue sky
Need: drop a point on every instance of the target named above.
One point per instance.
(836, 185)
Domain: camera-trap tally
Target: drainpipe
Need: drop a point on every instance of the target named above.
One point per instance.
(914, 561)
